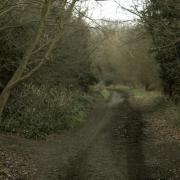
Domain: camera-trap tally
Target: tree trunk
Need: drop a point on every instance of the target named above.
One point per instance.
(20, 70)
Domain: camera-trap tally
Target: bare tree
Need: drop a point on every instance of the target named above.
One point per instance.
(66, 9)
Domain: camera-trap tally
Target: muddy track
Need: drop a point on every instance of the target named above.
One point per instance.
(108, 147)
(116, 151)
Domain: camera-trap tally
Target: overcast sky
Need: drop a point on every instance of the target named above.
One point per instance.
(108, 9)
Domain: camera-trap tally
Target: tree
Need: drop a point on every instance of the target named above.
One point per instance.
(161, 19)
(65, 12)
(124, 58)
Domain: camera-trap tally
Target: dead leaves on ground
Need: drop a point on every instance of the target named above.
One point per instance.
(14, 165)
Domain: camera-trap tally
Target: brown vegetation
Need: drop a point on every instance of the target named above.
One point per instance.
(124, 58)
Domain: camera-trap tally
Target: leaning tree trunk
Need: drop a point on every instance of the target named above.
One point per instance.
(4, 96)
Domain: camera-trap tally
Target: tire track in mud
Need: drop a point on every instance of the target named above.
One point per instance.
(107, 147)
(116, 151)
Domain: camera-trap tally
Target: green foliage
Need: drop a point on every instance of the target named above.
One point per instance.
(137, 92)
(132, 91)
(38, 111)
(86, 80)
(161, 19)
(71, 65)
(105, 94)
(54, 97)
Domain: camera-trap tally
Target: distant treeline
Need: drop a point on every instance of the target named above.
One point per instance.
(124, 58)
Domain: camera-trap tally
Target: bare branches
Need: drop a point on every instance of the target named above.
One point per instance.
(134, 11)
(41, 42)
(4, 12)
(4, 96)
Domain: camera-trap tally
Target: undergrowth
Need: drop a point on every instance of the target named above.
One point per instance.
(39, 111)
(102, 90)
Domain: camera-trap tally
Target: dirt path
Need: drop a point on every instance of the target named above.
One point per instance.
(108, 147)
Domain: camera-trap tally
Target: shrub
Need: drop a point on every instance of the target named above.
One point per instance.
(38, 111)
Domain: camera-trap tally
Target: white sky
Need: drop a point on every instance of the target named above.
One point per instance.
(108, 9)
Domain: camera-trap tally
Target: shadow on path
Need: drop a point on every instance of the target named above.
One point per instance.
(127, 134)
(116, 152)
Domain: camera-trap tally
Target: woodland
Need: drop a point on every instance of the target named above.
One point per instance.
(89, 99)
(51, 57)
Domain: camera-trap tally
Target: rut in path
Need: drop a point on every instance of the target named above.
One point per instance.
(107, 147)
(116, 151)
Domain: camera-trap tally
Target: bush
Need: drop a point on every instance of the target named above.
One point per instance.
(38, 111)
(86, 80)
(161, 21)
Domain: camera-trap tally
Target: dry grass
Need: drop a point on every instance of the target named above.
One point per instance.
(141, 99)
